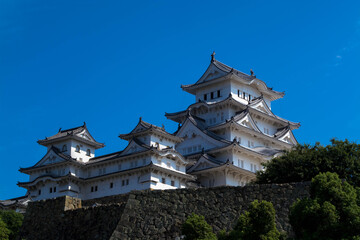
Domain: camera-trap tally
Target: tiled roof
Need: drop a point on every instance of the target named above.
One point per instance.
(146, 127)
(71, 133)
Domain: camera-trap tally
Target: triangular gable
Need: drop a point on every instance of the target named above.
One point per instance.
(262, 107)
(50, 157)
(288, 137)
(86, 135)
(132, 147)
(248, 121)
(201, 164)
(211, 73)
(195, 136)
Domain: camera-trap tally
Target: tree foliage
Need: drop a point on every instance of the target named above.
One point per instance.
(196, 228)
(258, 223)
(331, 212)
(4, 231)
(305, 161)
(13, 222)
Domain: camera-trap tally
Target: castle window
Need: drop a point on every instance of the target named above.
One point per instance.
(163, 180)
(64, 148)
(123, 183)
(92, 189)
(244, 95)
(205, 97)
(212, 95)
(218, 93)
(111, 185)
(249, 97)
(172, 183)
(54, 189)
(88, 152)
(168, 164)
(77, 148)
(119, 167)
(39, 192)
(95, 188)
(51, 190)
(177, 167)
(144, 161)
(222, 116)
(238, 93)
(127, 181)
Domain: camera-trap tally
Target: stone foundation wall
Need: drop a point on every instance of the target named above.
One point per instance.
(154, 214)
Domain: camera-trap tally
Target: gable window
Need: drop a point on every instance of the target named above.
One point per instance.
(64, 148)
(205, 97)
(77, 148)
(88, 152)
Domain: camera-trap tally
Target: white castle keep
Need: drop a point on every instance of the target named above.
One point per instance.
(222, 139)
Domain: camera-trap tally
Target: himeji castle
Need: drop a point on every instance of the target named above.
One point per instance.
(221, 140)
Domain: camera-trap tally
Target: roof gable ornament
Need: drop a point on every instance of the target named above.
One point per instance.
(213, 56)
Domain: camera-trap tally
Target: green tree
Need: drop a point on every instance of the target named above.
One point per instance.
(305, 161)
(13, 221)
(331, 212)
(258, 223)
(4, 231)
(196, 228)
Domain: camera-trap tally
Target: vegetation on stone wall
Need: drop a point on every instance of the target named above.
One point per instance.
(331, 212)
(306, 161)
(196, 228)
(10, 223)
(258, 223)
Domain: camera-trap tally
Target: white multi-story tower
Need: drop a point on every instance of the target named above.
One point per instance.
(230, 129)
(70, 167)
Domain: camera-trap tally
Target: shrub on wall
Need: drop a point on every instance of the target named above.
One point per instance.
(13, 222)
(331, 212)
(196, 228)
(258, 223)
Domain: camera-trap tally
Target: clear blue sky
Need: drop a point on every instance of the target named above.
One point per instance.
(110, 62)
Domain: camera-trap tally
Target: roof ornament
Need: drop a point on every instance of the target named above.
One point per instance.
(213, 56)
(162, 126)
(84, 124)
(59, 129)
(252, 73)
(232, 70)
(202, 150)
(140, 119)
